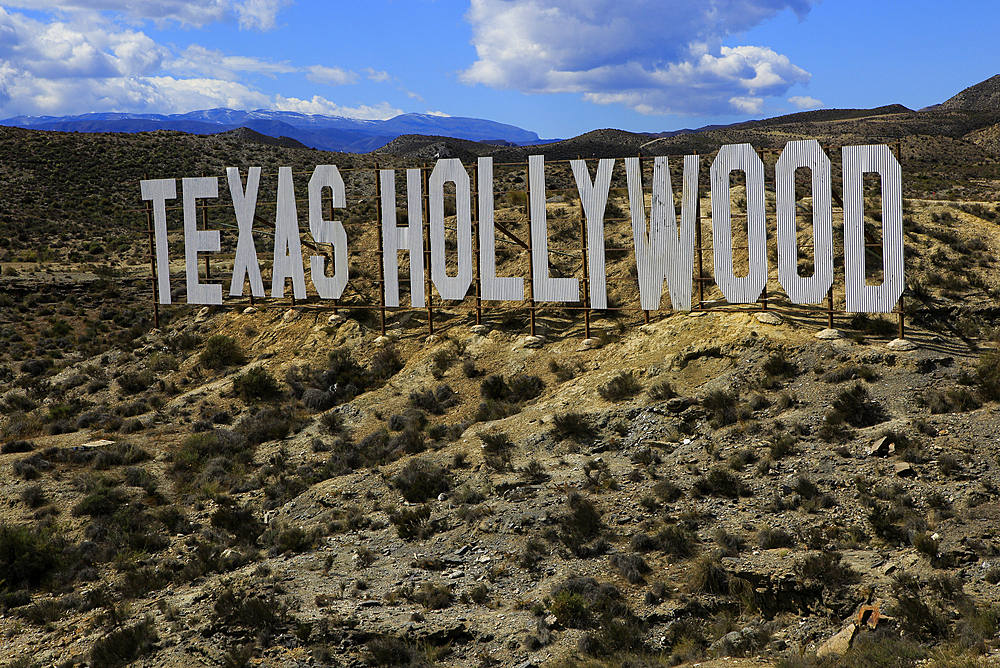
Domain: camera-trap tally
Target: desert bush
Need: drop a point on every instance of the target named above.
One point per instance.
(849, 372)
(255, 613)
(239, 521)
(221, 351)
(667, 491)
(415, 523)
(125, 645)
(33, 496)
(135, 382)
(771, 538)
(572, 426)
(988, 376)
(497, 448)
(856, 408)
(723, 406)
(623, 386)
(285, 538)
(677, 540)
(954, 400)
(708, 576)
(256, 385)
(632, 566)
(420, 480)
(721, 482)
(581, 524)
(28, 556)
(661, 391)
(16, 446)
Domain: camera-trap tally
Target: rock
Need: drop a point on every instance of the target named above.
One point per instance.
(828, 334)
(203, 314)
(249, 310)
(905, 470)
(696, 314)
(839, 643)
(534, 341)
(880, 447)
(335, 319)
(768, 318)
(901, 344)
(291, 315)
(382, 341)
(589, 344)
(481, 330)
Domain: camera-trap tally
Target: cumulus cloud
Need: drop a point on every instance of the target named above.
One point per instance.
(84, 61)
(377, 76)
(654, 56)
(320, 105)
(805, 102)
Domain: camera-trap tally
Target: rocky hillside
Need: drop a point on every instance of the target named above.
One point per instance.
(278, 485)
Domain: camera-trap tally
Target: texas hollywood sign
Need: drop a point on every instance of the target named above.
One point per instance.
(663, 245)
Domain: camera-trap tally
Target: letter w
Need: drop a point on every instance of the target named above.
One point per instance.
(660, 250)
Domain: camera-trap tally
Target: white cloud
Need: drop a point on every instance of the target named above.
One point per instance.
(200, 61)
(439, 114)
(378, 76)
(654, 56)
(260, 14)
(87, 62)
(805, 102)
(320, 105)
(333, 76)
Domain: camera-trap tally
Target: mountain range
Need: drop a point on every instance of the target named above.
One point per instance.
(328, 133)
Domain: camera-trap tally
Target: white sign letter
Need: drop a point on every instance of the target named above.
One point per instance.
(410, 237)
(804, 290)
(159, 191)
(245, 205)
(451, 287)
(741, 157)
(545, 288)
(287, 248)
(594, 198)
(196, 240)
(494, 288)
(666, 251)
(861, 297)
(328, 232)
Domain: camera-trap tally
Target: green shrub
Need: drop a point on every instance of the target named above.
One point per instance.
(256, 385)
(221, 351)
(27, 556)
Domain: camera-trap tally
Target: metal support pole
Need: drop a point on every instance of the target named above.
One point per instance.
(531, 265)
(477, 279)
(381, 249)
(426, 225)
(586, 271)
(152, 263)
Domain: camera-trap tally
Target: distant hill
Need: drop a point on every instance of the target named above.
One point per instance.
(984, 96)
(328, 133)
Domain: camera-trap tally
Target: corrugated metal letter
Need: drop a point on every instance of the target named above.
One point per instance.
(159, 191)
(545, 288)
(493, 288)
(594, 198)
(287, 262)
(664, 251)
(801, 290)
(196, 241)
(410, 237)
(860, 297)
(328, 232)
(746, 289)
(451, 287)
(245, 206)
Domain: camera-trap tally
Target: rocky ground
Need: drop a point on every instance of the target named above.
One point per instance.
(707, 505)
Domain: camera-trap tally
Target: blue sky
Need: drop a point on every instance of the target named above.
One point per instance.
(557, 67)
